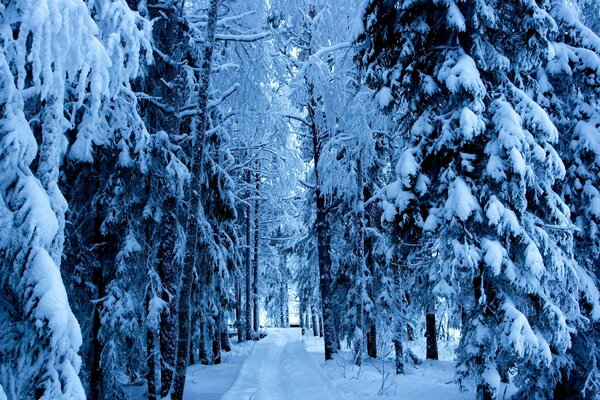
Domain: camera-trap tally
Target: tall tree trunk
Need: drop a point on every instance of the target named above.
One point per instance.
(248, 310)
(151, 381)
(399, 322)
(192, 227)
(238, 309)
(360, 266)
(256, 307)
(95, 363)
(322, 234)
(167, 37)
(99, 279)
(168, 269)
(431, 334)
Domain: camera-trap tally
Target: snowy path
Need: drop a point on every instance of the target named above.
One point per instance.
(280, 368)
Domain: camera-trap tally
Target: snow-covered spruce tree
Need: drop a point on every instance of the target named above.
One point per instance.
(312, 29)
(570, 89)
(50, 52)
(479, 174)
(103, 256)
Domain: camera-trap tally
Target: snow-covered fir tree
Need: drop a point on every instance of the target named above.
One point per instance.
(479, 174)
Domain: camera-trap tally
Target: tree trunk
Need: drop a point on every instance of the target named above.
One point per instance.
(203, 353)
(95, 363)
(360, 266)
(248, 288)
(399, 360)
(322, 235)
(431, 334)
(287, 307)
(313, 318)
(320, 322)
(216, 340)
(282, 306)
(399, 322)
(225, 343)
(168, 270)
(372, 340)
(151, 381)
(239, 323)
(192, 228)
(256, 307)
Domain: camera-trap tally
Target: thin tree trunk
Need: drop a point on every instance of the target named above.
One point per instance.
(399, 323)
(194, 201)
(313, 317)
(287, 307)
(151, 380)
(360, 266)
(239, 323)
(216, 340)
(256, 307)
(431, 334)
(322, 234)
(320, 322)
(95, 364)
(484, 390)
(168, 269)
(248, 276)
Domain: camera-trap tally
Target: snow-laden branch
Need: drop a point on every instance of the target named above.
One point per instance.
(224, 95)
(330, 49)
(306, 184)
(191, 111)
(297, 118)
(243, 38)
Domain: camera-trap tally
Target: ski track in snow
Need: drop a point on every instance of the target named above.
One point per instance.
(280, 368)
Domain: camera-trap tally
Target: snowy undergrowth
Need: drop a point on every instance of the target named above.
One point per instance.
(208, 382)
(376, 378)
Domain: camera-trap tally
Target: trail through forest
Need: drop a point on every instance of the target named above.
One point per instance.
(279, 367)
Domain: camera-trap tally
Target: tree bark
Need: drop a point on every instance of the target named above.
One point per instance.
(95, 364)
(431, 334)
(168, 270)
(239, 323)
(192, 227)
(322, 234)
(255, 304)
(151, 381)
(372, 340)
(248, 310)
(313, 318)
(216, 340)
(399, 360)
(360, 266)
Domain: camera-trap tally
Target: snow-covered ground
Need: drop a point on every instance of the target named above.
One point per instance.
(287, 366)
(209, 382)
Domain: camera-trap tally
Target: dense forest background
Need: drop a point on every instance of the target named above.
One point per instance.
(169, 168)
